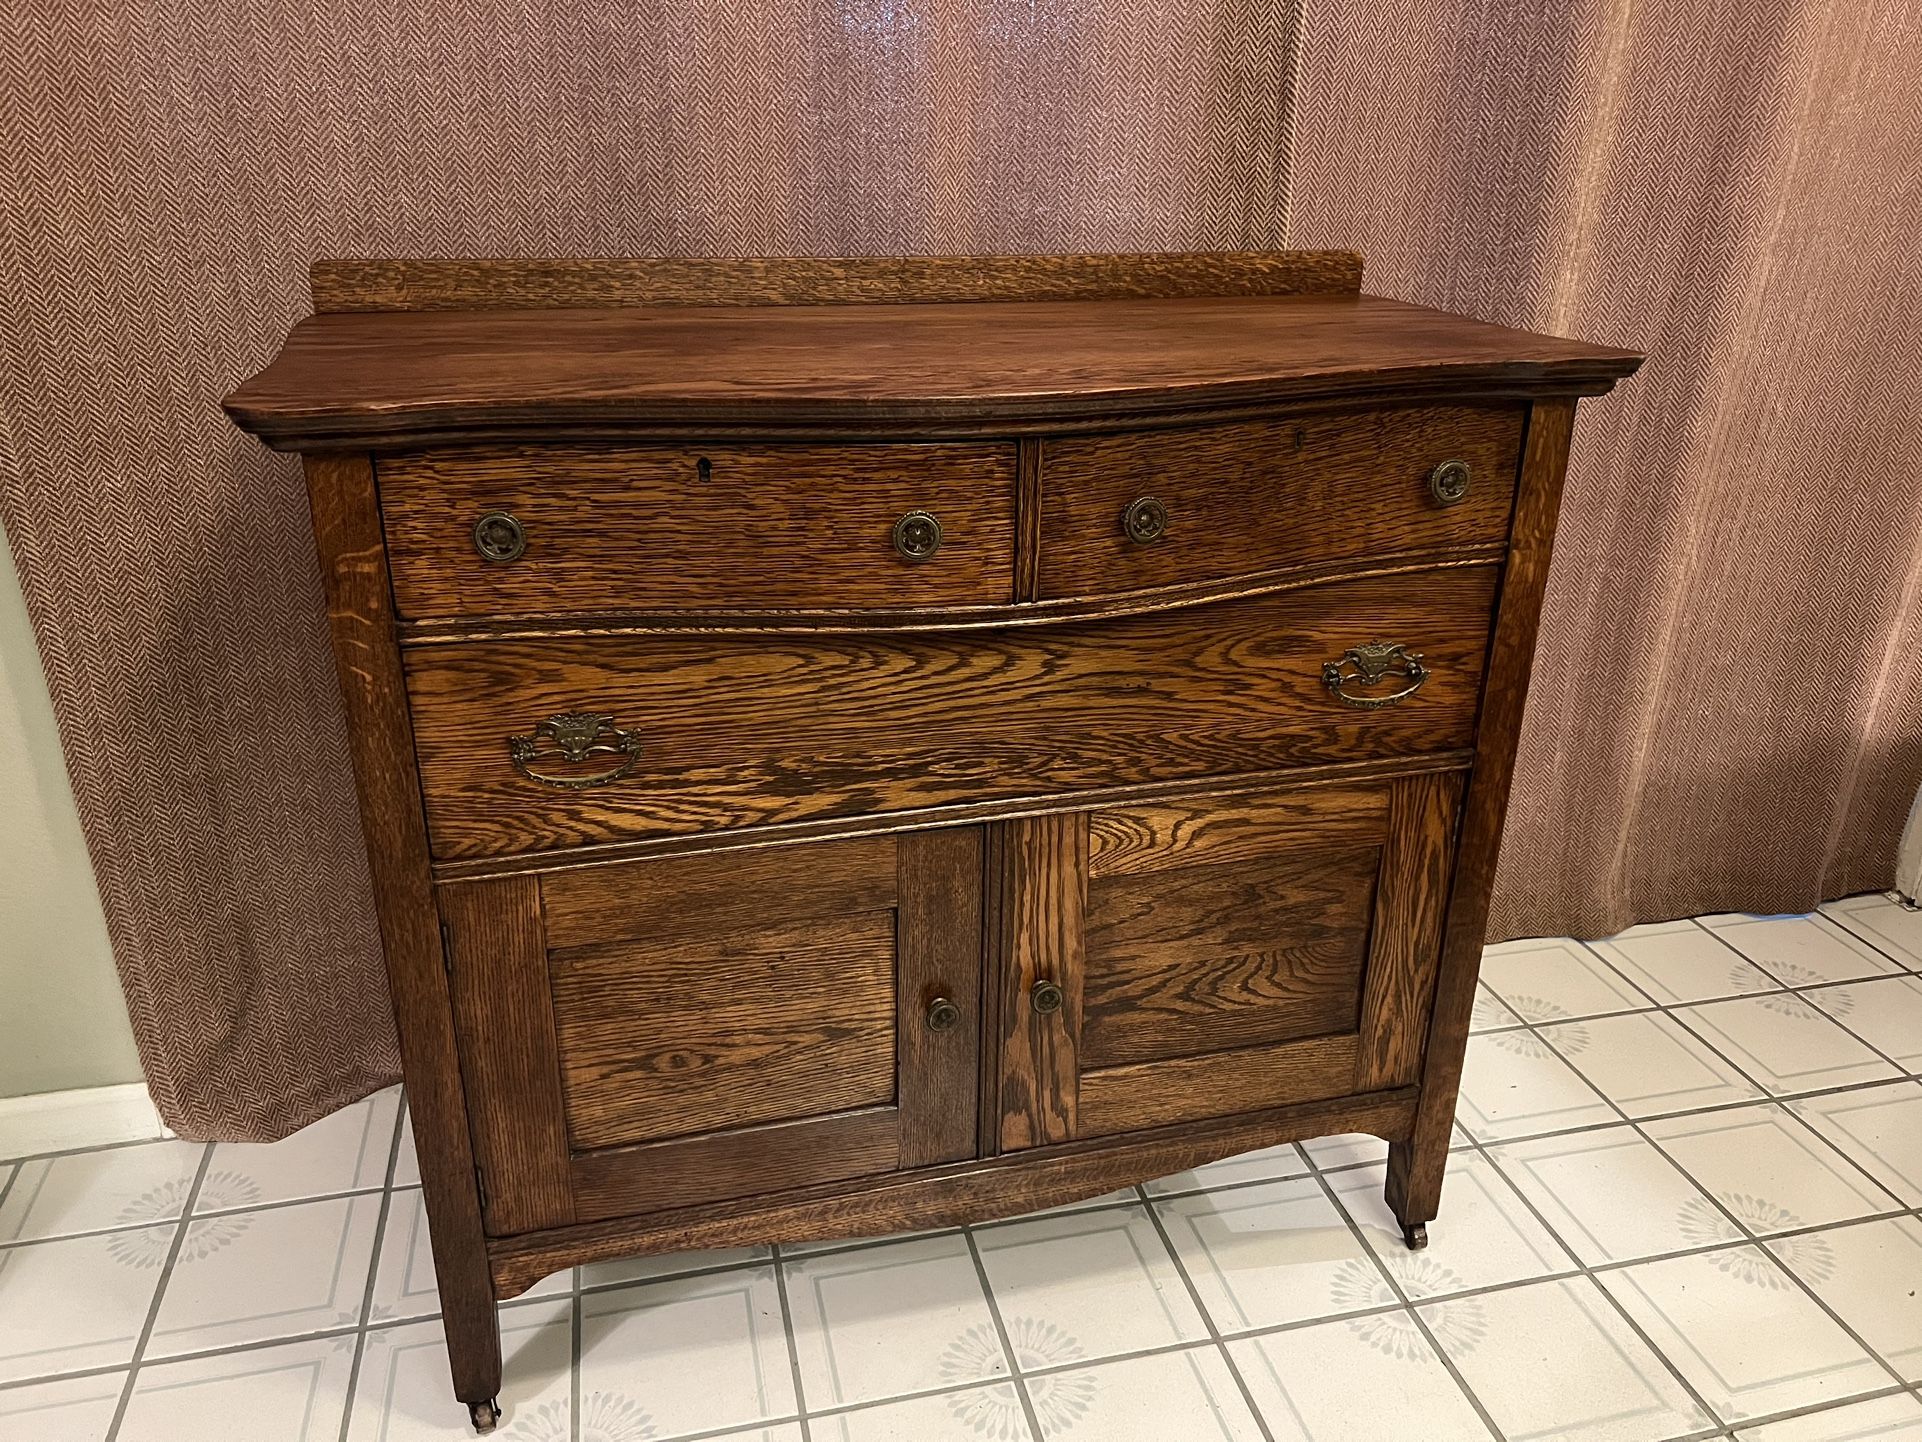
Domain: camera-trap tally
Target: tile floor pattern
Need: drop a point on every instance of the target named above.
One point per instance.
(1682, 1204)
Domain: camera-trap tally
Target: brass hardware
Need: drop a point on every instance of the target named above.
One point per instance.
(942, 1014)
(499, 537)
(1369, 665)
(1045, 997)
(1145, 521)
(1448, 482)
(577, 735)
(917, 535)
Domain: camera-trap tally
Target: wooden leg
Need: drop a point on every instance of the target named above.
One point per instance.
(1413, 1191)
(474, 1348)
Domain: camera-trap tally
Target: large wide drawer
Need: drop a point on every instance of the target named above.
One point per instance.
(531, 745)
(1143, 509)
(572, 529)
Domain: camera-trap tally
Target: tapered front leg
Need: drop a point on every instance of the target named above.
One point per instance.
(1413, 1189)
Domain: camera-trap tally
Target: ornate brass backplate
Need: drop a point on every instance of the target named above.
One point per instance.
(576, 737)
(1369, 666)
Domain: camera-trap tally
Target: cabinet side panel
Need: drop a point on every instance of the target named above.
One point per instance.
(503, 1011)
(1415, 1167)
(353, 565)
(1043, 881)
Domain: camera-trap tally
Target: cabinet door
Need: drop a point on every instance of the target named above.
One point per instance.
(662, 1033)
(1193, 958)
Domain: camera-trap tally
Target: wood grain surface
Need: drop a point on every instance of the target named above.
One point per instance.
(353, 568)
(1416, 1165)
(1234, 953)
(1037, 890)
(1267, 494)
(632, 1181)
(749, 731)
(940, 940)
(503, 1011)
(1220, 1083)
(484, 284)
(1212, 828)
(711, 1033)
(1404, 949)
(359, 378)
(627, 528)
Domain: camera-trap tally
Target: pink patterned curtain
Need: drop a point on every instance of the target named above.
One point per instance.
(1724, 716)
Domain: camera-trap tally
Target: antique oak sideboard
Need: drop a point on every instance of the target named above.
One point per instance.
(849, 745)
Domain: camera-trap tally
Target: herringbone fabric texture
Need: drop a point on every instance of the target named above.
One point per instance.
(1727, 710)
(1721, 184)
(167, 171)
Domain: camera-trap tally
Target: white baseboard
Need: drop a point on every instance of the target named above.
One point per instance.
(91, 1117)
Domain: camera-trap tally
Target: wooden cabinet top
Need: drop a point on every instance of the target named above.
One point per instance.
(410, 377)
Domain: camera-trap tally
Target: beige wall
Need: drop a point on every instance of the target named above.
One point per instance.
(66, 1025)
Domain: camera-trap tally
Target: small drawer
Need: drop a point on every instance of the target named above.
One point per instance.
(571, 530)
(539, 745)
(1138, 510)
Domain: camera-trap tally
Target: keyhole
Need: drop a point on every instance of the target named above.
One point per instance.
(704, 470)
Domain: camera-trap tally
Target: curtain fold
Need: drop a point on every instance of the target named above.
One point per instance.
(1726, 714)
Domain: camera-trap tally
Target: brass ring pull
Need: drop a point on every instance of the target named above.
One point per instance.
(1045, 997)
(943, 1014)
(577, 736)
(1370, 665)
(499, 537)
(1145, 521)
(917, 535)
(1448, 482)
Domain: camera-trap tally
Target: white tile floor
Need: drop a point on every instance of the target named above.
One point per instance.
(1682, 1204)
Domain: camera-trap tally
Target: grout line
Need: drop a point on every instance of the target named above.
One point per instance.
(576, 1304)
(159, 1292)
(57, 1153)
(373, 1271)
(1201, 1311)
(1015, 1373)
(787, 1331)
(1421, 1322)
(1870, 941)
(1583, 1269)
(120, 1227)
(1714, 1201)
(1784, 1267)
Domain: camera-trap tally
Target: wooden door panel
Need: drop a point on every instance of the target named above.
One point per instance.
(1236, 951)
(1153, 1094)
(705, 1033)
(661, 1033)
(1273, 949)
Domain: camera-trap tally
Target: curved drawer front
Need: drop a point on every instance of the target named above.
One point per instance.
(531, 530)
(533, 745)
(1270, 494)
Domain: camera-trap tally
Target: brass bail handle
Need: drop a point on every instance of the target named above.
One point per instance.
(1353, 678)
(575, 737)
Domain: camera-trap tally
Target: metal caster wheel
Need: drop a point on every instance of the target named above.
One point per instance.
(1416, 1235)
(485, 1416)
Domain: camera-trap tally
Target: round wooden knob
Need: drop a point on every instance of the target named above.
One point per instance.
(943, 1015)
(917, 535)
(1448, 482)
(499, 537)
(1145, 521)
(1045, 997)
